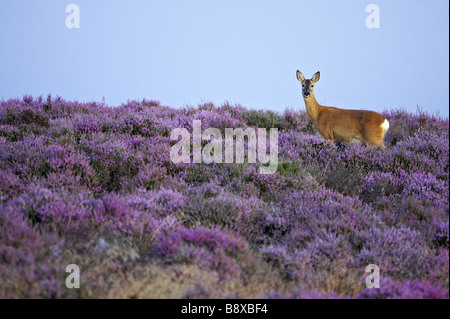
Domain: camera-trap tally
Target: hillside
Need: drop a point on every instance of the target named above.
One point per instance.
(92, 185)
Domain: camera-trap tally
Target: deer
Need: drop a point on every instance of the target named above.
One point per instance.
(341, 125)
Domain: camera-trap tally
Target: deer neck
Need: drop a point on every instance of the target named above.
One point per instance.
(312, 107)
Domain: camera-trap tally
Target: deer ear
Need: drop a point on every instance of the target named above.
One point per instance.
(316, 77)
(300, 76)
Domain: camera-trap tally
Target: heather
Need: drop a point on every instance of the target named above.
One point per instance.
(94, 185)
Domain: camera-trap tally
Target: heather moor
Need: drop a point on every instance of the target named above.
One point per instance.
(92, 185)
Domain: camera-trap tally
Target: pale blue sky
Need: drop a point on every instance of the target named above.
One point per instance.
(244, 51)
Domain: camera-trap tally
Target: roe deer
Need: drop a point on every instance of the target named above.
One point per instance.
(341, 125)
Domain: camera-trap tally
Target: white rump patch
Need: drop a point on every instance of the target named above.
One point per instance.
(385, 125)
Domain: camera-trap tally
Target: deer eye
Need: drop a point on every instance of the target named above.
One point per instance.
(312, 86)
(303, 86)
